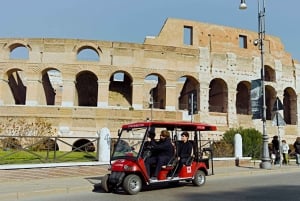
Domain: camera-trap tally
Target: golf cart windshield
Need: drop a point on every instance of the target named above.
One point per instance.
(129, 144)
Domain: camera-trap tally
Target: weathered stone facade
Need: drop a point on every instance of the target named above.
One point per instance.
(217, 65)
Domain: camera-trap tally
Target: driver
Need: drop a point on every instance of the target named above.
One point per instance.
(163, 152)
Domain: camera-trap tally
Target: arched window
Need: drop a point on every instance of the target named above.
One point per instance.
(87, 89)
(218, 96)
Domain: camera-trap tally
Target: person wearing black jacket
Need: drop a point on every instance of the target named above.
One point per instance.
(184, 151)
(297, 150)
(275, 149)
(162, 153)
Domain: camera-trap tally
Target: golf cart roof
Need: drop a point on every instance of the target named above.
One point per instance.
(172, 125)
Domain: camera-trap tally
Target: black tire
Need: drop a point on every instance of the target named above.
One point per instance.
(199, 178)
(104, 183)
(132, 184)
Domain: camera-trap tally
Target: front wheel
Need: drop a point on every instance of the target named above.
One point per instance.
(132, 184)
(199, 178)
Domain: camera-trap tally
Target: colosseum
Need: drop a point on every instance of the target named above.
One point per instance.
(81, 86)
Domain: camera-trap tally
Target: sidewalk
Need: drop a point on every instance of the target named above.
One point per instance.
(22, 183)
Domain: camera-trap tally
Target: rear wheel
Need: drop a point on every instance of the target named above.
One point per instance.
(104, 183)
(132, 184)
(199, 178)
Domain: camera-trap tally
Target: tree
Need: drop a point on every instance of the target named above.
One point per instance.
(251, 138)
(28, 134)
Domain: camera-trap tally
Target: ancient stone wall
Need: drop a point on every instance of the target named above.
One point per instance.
(217, 65)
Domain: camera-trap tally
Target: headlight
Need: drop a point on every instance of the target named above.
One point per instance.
(128, 168)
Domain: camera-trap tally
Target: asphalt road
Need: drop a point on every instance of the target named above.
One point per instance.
(259, 187)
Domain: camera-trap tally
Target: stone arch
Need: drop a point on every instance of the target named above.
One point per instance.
(120, 89)
(290, 106)
(48, 144)
(83, 145)
(270, 94)
(218, 96)
(18, 51)
(52, 84)
(87, 88)
(188, 85)
(17, 84)
(270, 74)
(88, 53)
(156, 90)
(11, 143)
(242, 103)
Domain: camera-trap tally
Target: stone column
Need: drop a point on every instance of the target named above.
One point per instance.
(34, 92)
(204, 97)
(103, 94)
(6, 96)
(171, 97)
(68, 93)
(137, 95)
(231, 108)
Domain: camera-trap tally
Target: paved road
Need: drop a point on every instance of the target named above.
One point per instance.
(277, 186)
(29, 183)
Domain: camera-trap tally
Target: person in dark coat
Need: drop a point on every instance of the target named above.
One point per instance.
(297, 150)
(163, 152)
(275, 149)
(184, 151)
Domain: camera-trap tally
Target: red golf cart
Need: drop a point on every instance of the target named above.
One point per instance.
(129, 152)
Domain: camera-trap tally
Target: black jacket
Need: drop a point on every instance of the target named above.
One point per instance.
(185, 149)
(297, 147)
(163, 147)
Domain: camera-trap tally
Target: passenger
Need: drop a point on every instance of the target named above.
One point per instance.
(184, 151)
(163, 152)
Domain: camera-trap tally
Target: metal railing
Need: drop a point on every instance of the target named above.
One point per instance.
(44, 149)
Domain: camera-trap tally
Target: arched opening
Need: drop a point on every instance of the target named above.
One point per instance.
(16, 82)
(156, 91)
(189, 94)
(270, 95)
(218, 96)
(270, 74)
(87, 53)
(10, 143)
(49, 145)
(18, 51)
(83, 145)
(120, 89)
(52, 84)
(290, 106)
(242, 103)
(87, 89)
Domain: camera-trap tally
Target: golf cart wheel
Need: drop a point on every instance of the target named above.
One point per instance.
(104, 183)
(132, 184)
(199, 178)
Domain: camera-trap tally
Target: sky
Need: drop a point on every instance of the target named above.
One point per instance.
(133, 20)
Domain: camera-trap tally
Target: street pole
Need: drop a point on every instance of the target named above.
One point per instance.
(265, 159)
